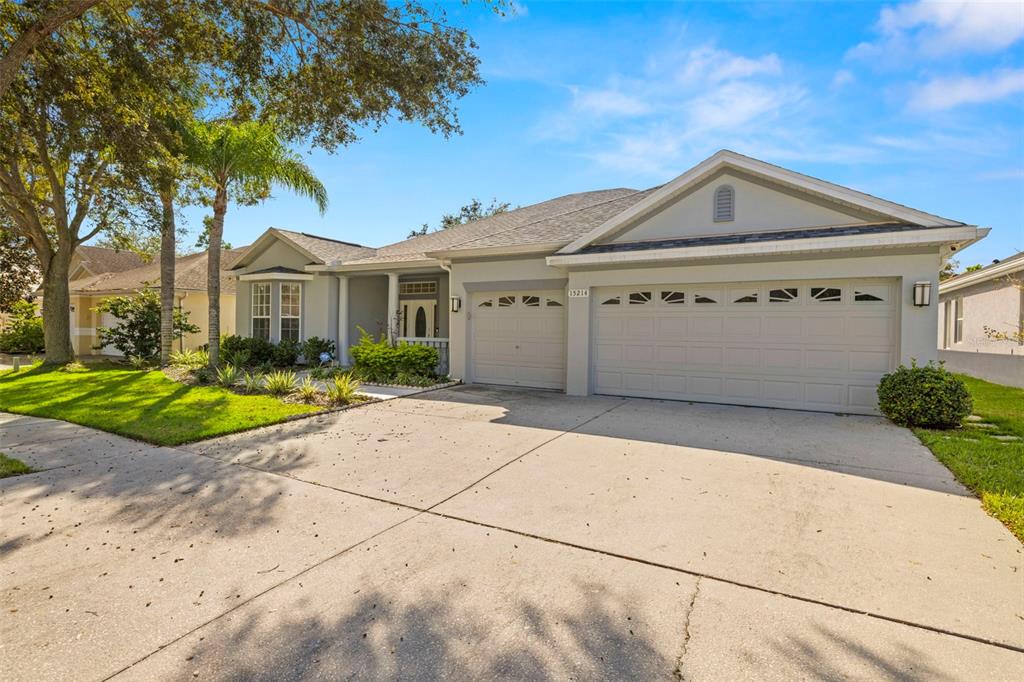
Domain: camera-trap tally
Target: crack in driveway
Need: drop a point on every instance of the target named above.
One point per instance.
(678, 672)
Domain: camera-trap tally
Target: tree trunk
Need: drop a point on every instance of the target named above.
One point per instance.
(220, 207)
(56, 309)
(167, 256)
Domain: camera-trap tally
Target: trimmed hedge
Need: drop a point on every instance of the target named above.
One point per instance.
(379, 361)
(926, 396)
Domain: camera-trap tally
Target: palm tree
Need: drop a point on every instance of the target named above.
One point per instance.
(242, 161)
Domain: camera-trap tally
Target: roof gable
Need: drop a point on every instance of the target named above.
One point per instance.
(316, 250)
(808, 201)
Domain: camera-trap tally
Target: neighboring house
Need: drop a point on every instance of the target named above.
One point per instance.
(991, 297)
(737, 282)
(189, 293)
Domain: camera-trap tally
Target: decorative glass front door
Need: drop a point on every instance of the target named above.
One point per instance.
(419, 318)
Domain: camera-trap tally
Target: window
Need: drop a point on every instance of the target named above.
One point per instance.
(745, 296)
(827, 294)
(869, 294)
(673, 297)
(489, 303)
(291, 311)
(786, 295)
(261, 311)
(725, 204)
(614, 300)
(703, 298)
(506, 301)
(639, 297)
(553, 303)
(958, 320)
(531, 301)
(417, 287)
(947, 322)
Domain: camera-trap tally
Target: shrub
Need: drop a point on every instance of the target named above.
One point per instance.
(244, 351)
(228, 375)
(253, 381)
(190, 359)
(410, 379)
(308, 390)
(280, 383)
(138, 363)
(315, 348)
(74, 367)
(203, 375)
(343, 389)
(137, 332)
(286, 353)
(26, 331)
(379, 361)
(924, 396)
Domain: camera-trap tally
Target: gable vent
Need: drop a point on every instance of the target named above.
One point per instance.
(725, 204)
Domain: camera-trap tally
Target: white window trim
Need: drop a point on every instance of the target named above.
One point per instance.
(252, 309)
(958, 320)
(280, 310)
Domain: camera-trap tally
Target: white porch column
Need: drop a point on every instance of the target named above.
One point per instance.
(343, 319)
(393, 327)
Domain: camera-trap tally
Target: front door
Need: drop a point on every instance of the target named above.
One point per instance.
(419, 318)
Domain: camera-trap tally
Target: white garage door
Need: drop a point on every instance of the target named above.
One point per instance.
(519, 338)
(818, 345)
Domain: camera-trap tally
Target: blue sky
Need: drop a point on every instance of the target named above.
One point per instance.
(919, 103)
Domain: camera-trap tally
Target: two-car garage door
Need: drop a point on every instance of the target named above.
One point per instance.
(819, 345)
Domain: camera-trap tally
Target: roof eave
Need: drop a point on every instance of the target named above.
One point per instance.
(960, 236)
(967, 279)
(492, 251)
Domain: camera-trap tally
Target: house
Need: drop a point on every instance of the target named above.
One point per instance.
(990, 298)
(189, 293)
(736, 282)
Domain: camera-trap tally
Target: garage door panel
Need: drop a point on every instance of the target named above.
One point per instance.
(755, 343)
(742, 327)
(782, 358)
(742, 357)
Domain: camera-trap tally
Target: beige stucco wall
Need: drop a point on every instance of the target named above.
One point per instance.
(85, 319)
(996, 303)
(758, 208)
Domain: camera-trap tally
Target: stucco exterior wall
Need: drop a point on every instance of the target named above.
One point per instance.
(277, 254)
(998, 368)
(368, 305)
(995, 303)
(196, 304)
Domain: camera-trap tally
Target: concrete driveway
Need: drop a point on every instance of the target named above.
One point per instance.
(480, 533)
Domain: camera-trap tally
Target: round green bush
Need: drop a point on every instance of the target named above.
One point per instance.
(924, 396)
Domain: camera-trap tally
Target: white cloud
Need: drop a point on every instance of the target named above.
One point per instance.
(609, 101)
(936, 29)
(842, 78)
(946, 93)
(734, 106)
(710, 65)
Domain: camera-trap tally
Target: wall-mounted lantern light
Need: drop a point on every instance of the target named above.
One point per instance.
(456, 304)
(922, 294)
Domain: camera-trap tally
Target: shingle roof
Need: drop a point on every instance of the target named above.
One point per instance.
(555, 220)
(326, 249)
(189, 275)
(100, 259)
(716, 240)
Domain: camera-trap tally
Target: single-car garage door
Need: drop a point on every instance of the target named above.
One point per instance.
(817, 345)
(518, 338)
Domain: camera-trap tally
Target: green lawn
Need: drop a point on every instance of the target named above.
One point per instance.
(13, 467)
(143, 405)
(992, 468)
